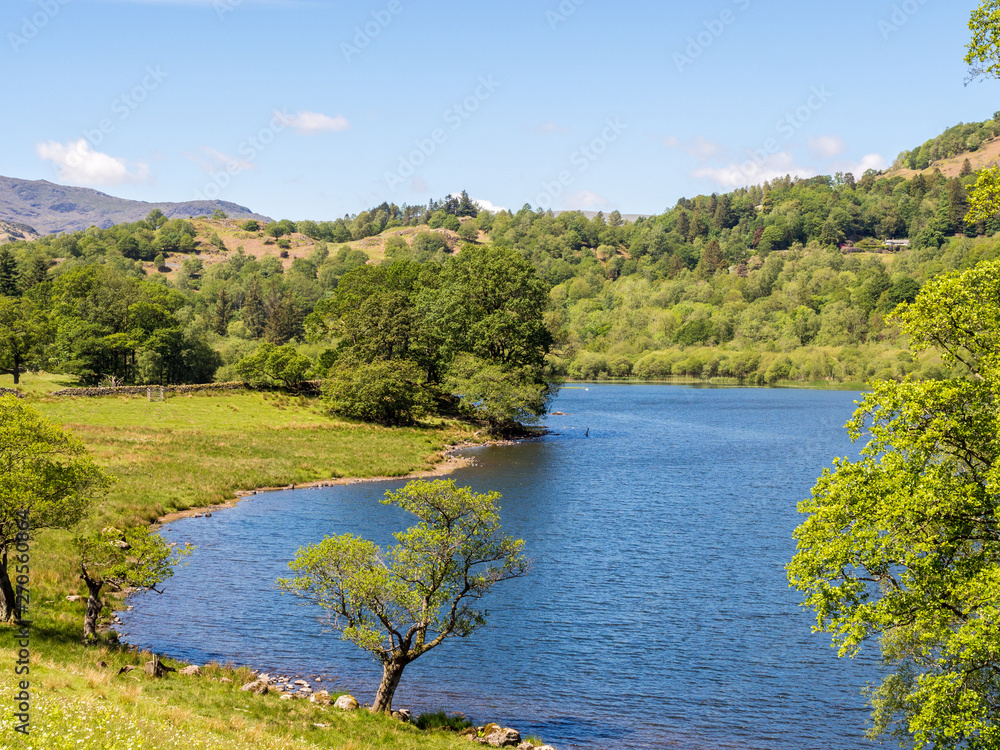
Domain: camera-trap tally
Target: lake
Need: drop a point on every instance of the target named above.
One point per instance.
(657, 613)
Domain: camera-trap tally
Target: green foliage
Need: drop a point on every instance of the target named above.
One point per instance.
(983, 56)
(401, 602)
(275, 365)
(503, 398)
(441, 720)
(25, 332)
(48, 481)
(390, 392)
(903, 545)
(136, 559)
(250, 225)
(984, 197)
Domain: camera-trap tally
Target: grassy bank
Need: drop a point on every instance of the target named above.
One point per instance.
(191, 451)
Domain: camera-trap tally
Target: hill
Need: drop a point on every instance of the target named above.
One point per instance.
(16, 232)
(52, 209)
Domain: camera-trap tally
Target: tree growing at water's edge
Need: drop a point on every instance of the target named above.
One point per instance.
(132, 560)
(903, 545)
(401, 602)
(47, 479)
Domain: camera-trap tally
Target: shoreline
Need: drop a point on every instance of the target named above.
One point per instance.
(449, 462)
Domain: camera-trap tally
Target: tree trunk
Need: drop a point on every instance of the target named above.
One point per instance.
(8, 598)
(94, 607)
(17, 368)
(391, 673)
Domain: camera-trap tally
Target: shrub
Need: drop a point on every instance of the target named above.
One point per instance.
(389, 392)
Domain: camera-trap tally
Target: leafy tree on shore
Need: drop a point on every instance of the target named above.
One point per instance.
(47, 482)
(136, 559)
(903, 546)
(399, 603)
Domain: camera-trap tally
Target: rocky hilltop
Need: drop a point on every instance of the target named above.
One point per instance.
(47, 208)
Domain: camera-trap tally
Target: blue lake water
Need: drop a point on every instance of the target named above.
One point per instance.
(657, 613)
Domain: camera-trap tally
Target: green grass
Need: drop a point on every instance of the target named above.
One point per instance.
(192, 451)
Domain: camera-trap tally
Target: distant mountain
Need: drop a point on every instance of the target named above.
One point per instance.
(51, 208)
(16, 232)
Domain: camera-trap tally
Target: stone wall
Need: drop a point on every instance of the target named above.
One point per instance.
(10, 392)
(312, 386)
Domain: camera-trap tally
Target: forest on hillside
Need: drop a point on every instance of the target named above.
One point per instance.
(786, 281)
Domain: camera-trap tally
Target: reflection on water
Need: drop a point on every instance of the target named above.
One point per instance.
(657, 613)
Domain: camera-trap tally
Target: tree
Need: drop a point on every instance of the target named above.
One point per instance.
(132, 560)
(983, 56)
(24, 331)
(254, 313)
(10, 276)
(47, 482)
(505, 399)
(390, 392)
(903, 545)
(401, 602)
(966, 169)
(274, 365)
(492, 305)
(984, 197)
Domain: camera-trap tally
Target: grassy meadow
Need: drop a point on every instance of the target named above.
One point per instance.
(185, 452)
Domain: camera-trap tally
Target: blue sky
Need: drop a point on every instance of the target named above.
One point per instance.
(314, 109)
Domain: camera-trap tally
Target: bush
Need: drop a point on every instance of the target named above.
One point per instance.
(389, 392)
(250, 225)
(274, 365)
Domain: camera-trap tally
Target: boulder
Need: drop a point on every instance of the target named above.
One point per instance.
(303, 683)
(193, 671)
(489, 729)
(504, 738)
(402, 715)
(525, 746)
(75, 598)
(255, 687)
(286, 697)
(347, 703)
(265, 678)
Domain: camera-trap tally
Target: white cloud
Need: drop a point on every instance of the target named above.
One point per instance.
(868, 161)
(77, 163)
(827, 146)
(311, 123)
(483, 204)
(699, 147)
(585, 200)
(488, 206)
(754, 171)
